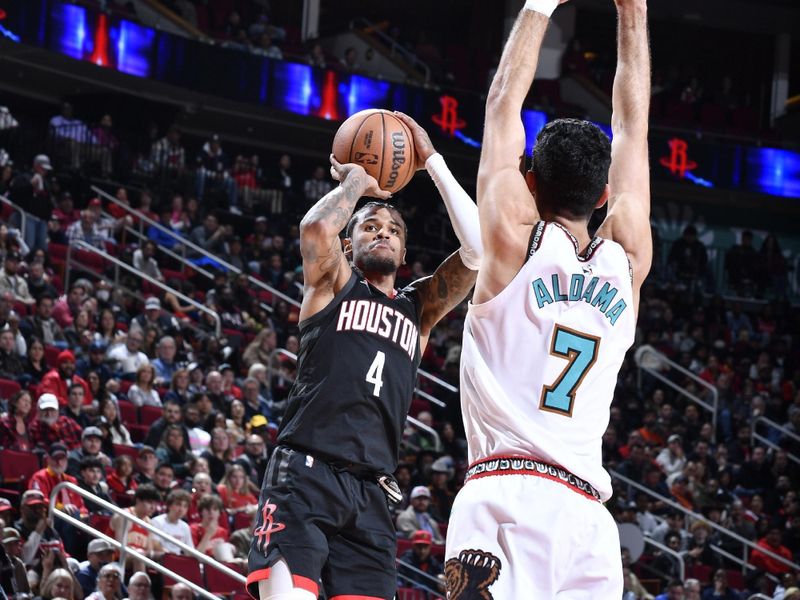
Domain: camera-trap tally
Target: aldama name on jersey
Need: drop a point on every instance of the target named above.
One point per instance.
(578, 290)
(380, 319)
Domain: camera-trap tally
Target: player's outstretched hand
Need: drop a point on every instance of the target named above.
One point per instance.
(340, 172)
(422, 142)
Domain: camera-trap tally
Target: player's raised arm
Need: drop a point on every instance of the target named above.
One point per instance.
(507, 210)
(628, 220)
(325, 268)
(455, 277)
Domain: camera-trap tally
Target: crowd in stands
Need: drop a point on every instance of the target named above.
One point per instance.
(143, 402)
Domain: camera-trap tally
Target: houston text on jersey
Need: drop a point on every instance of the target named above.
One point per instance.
(379, 319)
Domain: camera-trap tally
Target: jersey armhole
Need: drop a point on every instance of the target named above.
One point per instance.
(305, 324)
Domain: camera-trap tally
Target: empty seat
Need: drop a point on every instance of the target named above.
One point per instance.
(149, 414)
(185, 566)
(17, 467)
(8, 387)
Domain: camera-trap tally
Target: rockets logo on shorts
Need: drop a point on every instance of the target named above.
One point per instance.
(267, 527)
(469, 576)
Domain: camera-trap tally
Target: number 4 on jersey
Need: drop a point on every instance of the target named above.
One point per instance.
(580, 349)
(375, 373)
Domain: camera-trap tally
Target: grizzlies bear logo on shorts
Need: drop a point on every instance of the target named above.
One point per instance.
(470, 575)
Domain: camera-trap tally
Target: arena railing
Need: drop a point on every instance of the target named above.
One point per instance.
(23, 216)
(660, 364)
(394, 48)
(667, 550)
(432, 582)
(746, 544)
(754, 435)
(187, 245)
(118, 264)
(122, 546)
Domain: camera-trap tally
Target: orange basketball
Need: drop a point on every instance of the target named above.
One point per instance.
(381, 143)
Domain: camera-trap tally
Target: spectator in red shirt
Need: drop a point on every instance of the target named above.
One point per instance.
(67, 307)
(772, 543)
(120, 481)
(54, 473)
(58, 380)
(208, 534)
(48, 427)
(235, 492)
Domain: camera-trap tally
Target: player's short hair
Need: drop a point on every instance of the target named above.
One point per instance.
(571, 159)
(371, 207)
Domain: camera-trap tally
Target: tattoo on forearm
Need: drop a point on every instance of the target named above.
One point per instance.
(336, 207)
(449, 285)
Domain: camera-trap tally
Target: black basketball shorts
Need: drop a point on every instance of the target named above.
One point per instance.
(328, 525)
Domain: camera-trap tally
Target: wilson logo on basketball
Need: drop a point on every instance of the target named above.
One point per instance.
(398, 157)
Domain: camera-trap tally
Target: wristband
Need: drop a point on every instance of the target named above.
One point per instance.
(545, 7)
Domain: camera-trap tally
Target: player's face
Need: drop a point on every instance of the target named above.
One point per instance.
(379, 243)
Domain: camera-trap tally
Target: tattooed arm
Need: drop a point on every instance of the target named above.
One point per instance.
(325, 267)
(442, 292)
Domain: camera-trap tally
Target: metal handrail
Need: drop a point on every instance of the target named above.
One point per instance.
(736, 559)
(186, 243)
(428, 397)
(726, 532)
(413, 569)
(81, 245)
(640, 355)
(23, 215)
(395, 47)
(440, 382)
(668, 550)
(770, 423)
(122, 546)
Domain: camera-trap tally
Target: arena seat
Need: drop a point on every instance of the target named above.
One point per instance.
(407, 593)
(185, 566)
(221, 583)
(120, 449)
(128, 413)
(403, 544)
(8, 387)
(17, 467)
(51, 355)
(149, 414)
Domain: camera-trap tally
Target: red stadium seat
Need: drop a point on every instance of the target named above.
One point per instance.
(8, 387)
(101, 523)
(185, 566)
(125, 385)
(735, 579)
(242, 520)
(120, 449)
(128, 413)
(138, 432)
(149, 414)
(51, 355)
(700, 572)
(17, 467)
(403, 544)
(221, 583)
(407, 593)
(58, 251)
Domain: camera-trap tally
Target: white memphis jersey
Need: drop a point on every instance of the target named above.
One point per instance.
(540, 360)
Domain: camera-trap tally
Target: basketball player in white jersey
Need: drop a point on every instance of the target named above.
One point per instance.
(553, 314)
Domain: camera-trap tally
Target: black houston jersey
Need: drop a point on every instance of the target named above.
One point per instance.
(356, 373)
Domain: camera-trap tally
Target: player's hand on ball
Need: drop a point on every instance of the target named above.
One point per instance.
(340, 172)
(422, 141)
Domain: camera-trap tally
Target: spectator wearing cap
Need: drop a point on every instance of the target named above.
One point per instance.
(109, 584)
(154, 317)
(42, 325)
(91, 474)
(48, 427)
(95, 361)
(65, 309)
(58, 380)
(91, 444)
(672, 459)
(98, 554)
(164, 364)
(145, 468)
(15, 581)
(86, 230)
(13, 283)
(32, 525)
(11, 366)
(45, 480)
(128, 356)
(420, 558)
(6, 512)
(418, 516)
(75, 403)
(442, 471)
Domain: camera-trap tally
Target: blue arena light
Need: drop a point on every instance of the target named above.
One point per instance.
(773, 171)
(69, 29)
(533, 121)
(294, 90)
(363, 93)
(134, 47)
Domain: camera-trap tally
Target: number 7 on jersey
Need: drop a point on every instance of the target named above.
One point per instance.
(580, 349)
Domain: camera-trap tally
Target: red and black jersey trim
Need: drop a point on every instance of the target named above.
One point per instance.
(536, 237)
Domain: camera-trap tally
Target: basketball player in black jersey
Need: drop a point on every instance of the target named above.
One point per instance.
(323, 512)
